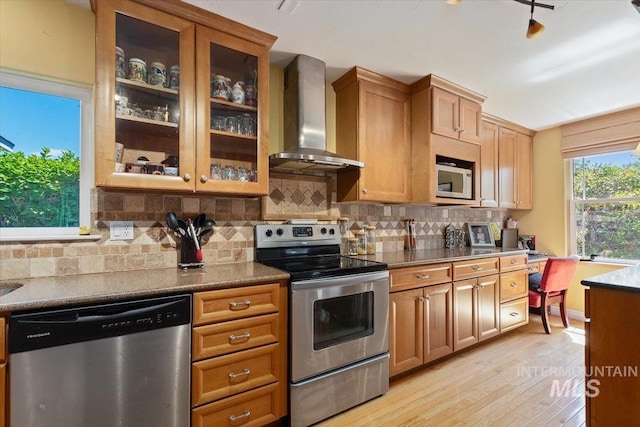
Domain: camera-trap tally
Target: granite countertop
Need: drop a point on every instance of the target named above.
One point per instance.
(44, 292)
(37, 293)
(431, 256)
(626, 279)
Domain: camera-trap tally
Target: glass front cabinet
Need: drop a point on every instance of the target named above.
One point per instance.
(181, 100)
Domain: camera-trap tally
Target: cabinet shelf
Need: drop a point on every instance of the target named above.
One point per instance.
(232, 105)
(146, 87)
(234, 135)
(146, 121)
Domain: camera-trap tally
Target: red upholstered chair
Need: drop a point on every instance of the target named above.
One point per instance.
(551, 286)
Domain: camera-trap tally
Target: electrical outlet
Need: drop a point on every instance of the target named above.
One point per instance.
(121, 230)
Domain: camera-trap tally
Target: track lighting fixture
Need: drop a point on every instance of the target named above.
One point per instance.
(452, 1)
(535, 28)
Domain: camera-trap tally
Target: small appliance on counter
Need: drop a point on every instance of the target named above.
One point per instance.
(509, 238)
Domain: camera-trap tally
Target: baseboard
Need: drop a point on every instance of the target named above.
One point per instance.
(573, 314)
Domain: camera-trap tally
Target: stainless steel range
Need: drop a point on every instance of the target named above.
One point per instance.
(338, 320)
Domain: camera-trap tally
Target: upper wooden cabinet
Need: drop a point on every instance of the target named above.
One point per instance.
(489, 165)
(514, 148)
(445, 121)
(156, 63)
(455, 116)
(372, 126)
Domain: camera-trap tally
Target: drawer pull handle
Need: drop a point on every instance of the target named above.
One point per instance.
(423, 299)
(244, 373)
(235, 339)
(422, 276)
(476, 268)
(234, 418)
(514, 261)
(242, 305)
(514, 314)
(514, 285)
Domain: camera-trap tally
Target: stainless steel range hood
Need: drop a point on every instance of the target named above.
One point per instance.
(305, 141)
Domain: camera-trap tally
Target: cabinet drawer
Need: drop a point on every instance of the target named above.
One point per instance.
(224, 376)
(415, 277)
(236, 303)
(254, 408)
(514, 314)
(235, 335)
(474, 268)
(513, 262)
(514, 285)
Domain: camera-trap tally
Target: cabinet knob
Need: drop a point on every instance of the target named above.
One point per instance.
(203, 178)
(364, 191)
(187, 177)
(514, 285)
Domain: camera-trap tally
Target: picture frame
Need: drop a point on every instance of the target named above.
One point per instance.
(480, 235)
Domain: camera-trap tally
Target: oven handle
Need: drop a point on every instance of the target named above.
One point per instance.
(328, 282)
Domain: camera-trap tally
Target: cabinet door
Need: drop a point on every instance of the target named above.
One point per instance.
(506, 168)
(524, 172)
(139, 113)
(405, 330)
(383, 143)
(489, 165)
(465, 314)
(488, 307)
(438, 318)
(445, 110)
(232, 119)
(470, 126)
(514, 285)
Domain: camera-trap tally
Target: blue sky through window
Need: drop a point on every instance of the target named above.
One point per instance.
(33, 121)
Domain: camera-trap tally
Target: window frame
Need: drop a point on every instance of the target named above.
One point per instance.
(84, 94)
(573, 241)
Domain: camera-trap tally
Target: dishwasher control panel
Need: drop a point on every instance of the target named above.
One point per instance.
(41, 329)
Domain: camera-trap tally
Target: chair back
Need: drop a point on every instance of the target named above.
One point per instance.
(558, 273)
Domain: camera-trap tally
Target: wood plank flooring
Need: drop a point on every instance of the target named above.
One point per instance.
(523, 378)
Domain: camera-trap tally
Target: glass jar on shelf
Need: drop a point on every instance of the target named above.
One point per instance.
(361, 236)
(370, 232)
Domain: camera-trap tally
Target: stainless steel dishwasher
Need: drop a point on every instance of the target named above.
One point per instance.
(114, 364)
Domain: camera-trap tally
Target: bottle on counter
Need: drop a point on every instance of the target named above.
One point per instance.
(343, 223)
(370, 232)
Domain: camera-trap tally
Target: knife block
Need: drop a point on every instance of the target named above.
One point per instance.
(187, 253)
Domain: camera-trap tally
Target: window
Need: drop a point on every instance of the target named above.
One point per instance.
(46, 156)
(605, 206)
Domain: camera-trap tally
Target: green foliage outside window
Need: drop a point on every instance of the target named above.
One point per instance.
(39, 190)
(607, 209)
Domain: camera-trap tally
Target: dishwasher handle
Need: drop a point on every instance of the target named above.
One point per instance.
(43, 329)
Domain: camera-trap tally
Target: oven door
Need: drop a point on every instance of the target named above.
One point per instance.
(337, 321)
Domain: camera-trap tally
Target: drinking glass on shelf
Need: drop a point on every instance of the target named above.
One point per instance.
(232, 124)
(243, 174)
(216, 171)
(247, 124)
(230, 173)
(218, 122)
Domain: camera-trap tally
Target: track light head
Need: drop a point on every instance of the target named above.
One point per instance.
(452, 1)
(535, 29)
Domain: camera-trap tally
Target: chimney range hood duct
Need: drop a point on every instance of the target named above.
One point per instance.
(305, 139)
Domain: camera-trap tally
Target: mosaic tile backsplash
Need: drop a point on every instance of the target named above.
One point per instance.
(155, 246)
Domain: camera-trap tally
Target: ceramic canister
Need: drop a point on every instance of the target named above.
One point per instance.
(120, 66)
(157, 74)
(138, 70)
(174, 77)
(219, 87)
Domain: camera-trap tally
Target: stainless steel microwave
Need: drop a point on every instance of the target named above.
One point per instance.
(454, 182)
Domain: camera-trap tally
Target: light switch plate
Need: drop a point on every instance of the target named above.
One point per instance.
(121, 230)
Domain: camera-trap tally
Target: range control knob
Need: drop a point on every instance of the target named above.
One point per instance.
(269, 233)
(279, 231)
(332, 231)
(323, 230)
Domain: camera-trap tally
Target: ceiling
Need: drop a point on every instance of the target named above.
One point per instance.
(586, 62)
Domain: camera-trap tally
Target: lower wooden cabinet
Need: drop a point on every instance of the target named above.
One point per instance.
(514, 299)
(421, 326)
(475, 310)
(239, 363)
(514, 314)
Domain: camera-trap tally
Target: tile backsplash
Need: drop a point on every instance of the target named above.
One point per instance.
(154, 245)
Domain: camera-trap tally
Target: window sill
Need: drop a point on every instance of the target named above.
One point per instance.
(611, 261)
(52, 238)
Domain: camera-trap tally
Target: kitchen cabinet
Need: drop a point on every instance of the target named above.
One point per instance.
(239, 369)
(420, 319)
(514, 292)
(489, 165)
(445, 127)
(455, 116)
(475, 301)
(612, 344)
(515, 163)
(167, 115)
(372, 126)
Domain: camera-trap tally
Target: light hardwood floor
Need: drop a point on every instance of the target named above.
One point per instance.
(507, 382)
